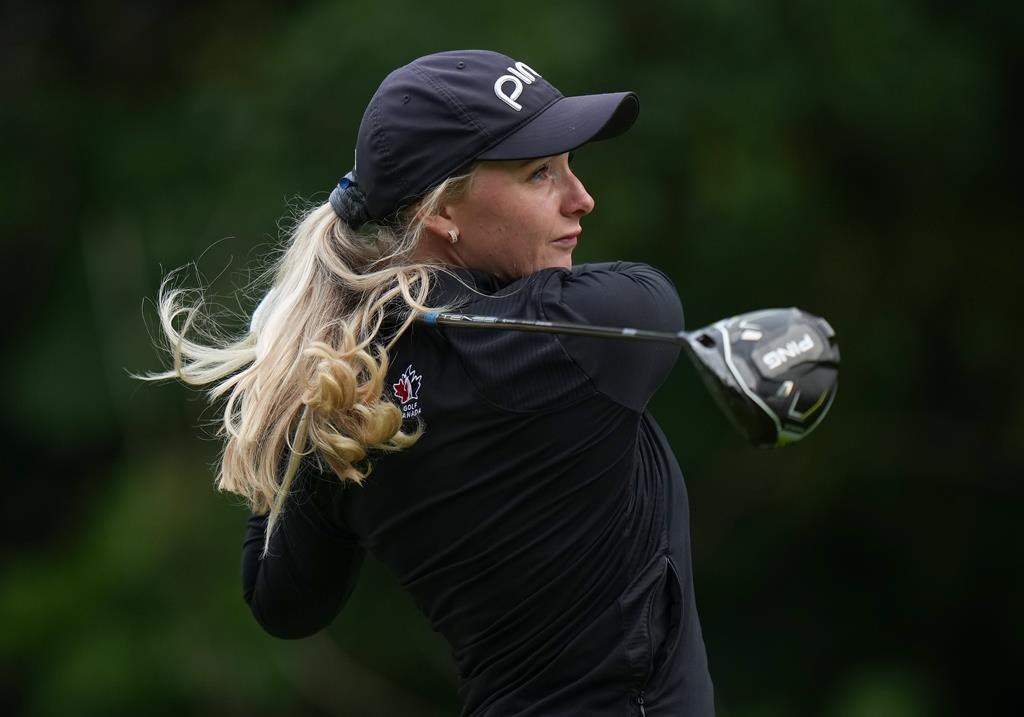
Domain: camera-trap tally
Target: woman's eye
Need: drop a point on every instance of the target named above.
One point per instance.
(540, 172)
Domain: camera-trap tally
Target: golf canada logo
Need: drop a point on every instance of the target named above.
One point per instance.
(407, 391)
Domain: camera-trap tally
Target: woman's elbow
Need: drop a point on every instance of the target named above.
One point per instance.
(286, 625)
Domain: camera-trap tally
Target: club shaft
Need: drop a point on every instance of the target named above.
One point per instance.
(436, 318)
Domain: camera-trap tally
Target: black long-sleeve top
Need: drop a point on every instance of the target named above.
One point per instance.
(541, 523)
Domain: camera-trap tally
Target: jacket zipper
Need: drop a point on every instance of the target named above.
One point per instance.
(640, 701)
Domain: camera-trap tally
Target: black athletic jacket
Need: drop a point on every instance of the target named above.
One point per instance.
(540, 523)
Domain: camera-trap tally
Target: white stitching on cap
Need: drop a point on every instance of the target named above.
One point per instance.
(509, 100)
(524, 72)
(521, 73)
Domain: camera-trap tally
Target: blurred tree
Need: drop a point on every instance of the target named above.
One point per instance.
(857, 158)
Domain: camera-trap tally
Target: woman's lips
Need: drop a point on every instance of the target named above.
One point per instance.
(568, 241)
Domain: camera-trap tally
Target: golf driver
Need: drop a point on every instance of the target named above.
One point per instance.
(773, 372)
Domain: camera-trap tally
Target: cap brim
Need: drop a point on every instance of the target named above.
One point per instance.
(568, 123)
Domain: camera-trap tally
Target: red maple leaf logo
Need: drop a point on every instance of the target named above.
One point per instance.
(402, 389)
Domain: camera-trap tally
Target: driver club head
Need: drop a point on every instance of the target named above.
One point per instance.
(774, 372)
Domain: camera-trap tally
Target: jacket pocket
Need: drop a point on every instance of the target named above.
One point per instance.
(668, 616)
(651, 613)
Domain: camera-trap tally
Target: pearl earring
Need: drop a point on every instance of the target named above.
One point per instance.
(453, 236)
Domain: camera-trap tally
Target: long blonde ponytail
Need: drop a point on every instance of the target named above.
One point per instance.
(310, 371)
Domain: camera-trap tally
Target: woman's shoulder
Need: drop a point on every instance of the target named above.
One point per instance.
(616, 293)
(617, 271)
(606, 292)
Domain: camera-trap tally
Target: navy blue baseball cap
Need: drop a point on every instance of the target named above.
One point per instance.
(435, 116)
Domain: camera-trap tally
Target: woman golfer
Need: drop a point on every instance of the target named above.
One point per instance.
(514, 483)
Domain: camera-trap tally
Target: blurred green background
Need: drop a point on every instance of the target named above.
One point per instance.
(857, 158)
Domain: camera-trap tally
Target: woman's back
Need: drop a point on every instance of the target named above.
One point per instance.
(531, 522)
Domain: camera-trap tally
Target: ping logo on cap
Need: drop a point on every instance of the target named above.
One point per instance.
(520, 73)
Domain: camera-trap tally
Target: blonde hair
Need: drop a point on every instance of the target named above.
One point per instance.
(311, 367)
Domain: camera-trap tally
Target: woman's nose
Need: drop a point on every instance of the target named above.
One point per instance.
(578, 201)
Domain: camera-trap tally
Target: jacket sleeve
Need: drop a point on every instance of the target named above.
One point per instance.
(619, 294)
(310, 570)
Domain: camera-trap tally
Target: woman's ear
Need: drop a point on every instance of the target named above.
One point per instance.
(437, 243)
(439, 224)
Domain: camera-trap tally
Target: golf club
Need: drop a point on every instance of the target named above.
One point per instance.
(773, 372)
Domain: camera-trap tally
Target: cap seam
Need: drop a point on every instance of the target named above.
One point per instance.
(462, 109)
(386, 154)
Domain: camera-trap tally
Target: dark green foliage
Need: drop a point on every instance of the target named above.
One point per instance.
(857, 158)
